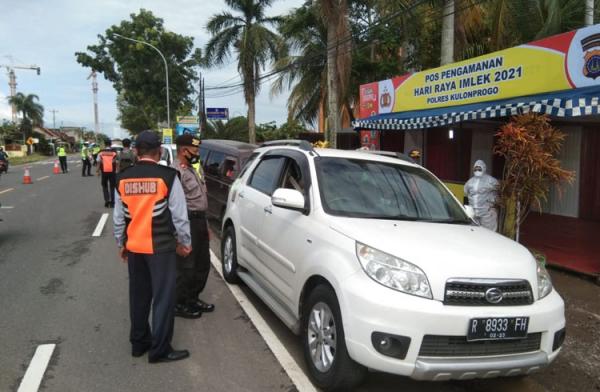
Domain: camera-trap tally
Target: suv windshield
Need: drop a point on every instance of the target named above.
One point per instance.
(378, 190)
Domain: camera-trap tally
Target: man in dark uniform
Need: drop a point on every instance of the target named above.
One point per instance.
(151, 226)
(193, 270)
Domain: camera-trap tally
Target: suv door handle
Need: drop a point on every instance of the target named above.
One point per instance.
(268, 209)
(241, 195)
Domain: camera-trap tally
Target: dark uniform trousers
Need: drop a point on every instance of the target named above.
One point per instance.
(152, 282)
(109, 179)
(63, 164)
(87, 166)
(193, 270)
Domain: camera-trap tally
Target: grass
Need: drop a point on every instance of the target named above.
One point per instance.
(35, 157)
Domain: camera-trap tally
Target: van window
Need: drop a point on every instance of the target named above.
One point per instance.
(215, 159)
(266, 176)
(203, 154)
(229, 168)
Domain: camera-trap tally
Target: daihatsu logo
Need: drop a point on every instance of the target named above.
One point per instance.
(494, 295)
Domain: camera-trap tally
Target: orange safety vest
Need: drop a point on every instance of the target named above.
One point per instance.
(144, 190)
(108, 158)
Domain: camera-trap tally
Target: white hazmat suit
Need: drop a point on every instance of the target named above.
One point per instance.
(482, 191)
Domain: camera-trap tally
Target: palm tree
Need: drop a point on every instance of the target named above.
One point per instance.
(247, 34)
(31, 111)
(304, 70)
(339, 62)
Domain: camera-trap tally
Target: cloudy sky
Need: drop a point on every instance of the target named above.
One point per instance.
(47, 33)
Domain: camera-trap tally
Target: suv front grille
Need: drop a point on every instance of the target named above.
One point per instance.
(472, 292)
(458, 346)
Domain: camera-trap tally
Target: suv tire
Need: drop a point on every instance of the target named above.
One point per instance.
(229, 256)
(330, 367)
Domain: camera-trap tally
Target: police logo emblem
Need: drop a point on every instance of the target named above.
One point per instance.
(591, 48)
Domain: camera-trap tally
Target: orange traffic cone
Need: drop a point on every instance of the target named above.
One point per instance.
(56, 169)
(27, 177)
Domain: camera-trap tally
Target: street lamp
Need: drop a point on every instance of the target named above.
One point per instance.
(166, 70)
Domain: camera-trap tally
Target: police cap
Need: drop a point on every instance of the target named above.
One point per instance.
(187, 140)
(148, 139)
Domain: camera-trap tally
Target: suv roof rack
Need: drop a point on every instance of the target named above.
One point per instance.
(302, 144)
(399, 155)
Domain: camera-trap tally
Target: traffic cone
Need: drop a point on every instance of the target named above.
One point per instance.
(27, 177)
(56, 169)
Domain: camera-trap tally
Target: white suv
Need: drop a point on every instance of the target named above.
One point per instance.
(377, 265)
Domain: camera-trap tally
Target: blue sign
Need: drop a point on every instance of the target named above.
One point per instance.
(217, 113)
(182, 129)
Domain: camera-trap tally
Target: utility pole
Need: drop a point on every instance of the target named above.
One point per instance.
(589, 12)
(95, 93)
(12, 82)
(202, 106)
(53, 111)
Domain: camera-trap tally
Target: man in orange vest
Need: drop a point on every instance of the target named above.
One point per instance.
(107, 167)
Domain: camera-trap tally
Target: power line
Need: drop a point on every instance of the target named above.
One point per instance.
(237, 88)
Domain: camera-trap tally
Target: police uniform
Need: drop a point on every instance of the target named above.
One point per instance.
(62, 157)
(85, 158)
(150, 218)
(193, 270)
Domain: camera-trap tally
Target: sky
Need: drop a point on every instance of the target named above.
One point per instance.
(47, 33)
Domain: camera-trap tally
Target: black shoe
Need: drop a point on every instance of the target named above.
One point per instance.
(139, 352)
(112, 205)
(106, 204)
(173, 355)
(204, 307)
(187, 312)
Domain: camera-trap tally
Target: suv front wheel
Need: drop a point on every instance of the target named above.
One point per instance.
(329, 364)
(229, 256)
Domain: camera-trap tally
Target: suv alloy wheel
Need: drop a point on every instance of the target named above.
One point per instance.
(229, 256)
(329, 364)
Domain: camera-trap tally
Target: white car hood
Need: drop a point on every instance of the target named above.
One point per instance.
(444, 251)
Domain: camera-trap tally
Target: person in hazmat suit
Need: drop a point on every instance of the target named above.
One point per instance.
(482, 191)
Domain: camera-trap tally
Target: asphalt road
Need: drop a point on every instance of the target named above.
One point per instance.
(58, 284)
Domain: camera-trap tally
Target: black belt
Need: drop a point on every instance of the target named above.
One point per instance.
(196, 214)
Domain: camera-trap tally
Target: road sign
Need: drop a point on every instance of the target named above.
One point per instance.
(167, 135)
(29, 141)
(217, 113)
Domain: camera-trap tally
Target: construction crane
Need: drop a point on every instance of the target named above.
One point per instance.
(12, 81)
(95, 92)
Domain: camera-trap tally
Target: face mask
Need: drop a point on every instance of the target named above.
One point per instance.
(478, 173)
(192, 159)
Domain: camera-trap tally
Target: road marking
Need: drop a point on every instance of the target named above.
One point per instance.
(7, 190)
(7, 207)
(288, 363)
(42, 178)
(100, 225)
(35, 372)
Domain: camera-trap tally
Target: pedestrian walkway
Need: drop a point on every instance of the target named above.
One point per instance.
(567, 242)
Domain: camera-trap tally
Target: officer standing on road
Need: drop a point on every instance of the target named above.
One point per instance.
(126, 158)
(62, 157)
(85, 158)
(108, 167)
(151, 226)
(193, 270)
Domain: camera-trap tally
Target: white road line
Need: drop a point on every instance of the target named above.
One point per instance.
(288, 363)
(100, 225)
(7, 207)
(35, 372)
(7, 190)
(42, 178)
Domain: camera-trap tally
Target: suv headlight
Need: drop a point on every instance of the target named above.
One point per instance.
(393, 272)
(544, 282)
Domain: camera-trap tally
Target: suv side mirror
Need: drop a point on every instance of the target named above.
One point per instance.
(288, 198)
(470, 211)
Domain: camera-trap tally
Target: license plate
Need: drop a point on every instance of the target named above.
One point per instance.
(497, 328)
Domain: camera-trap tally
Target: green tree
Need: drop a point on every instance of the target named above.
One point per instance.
(234, 129)
(303, 70)
(137, 71)
(31, 111)
(247, 33)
